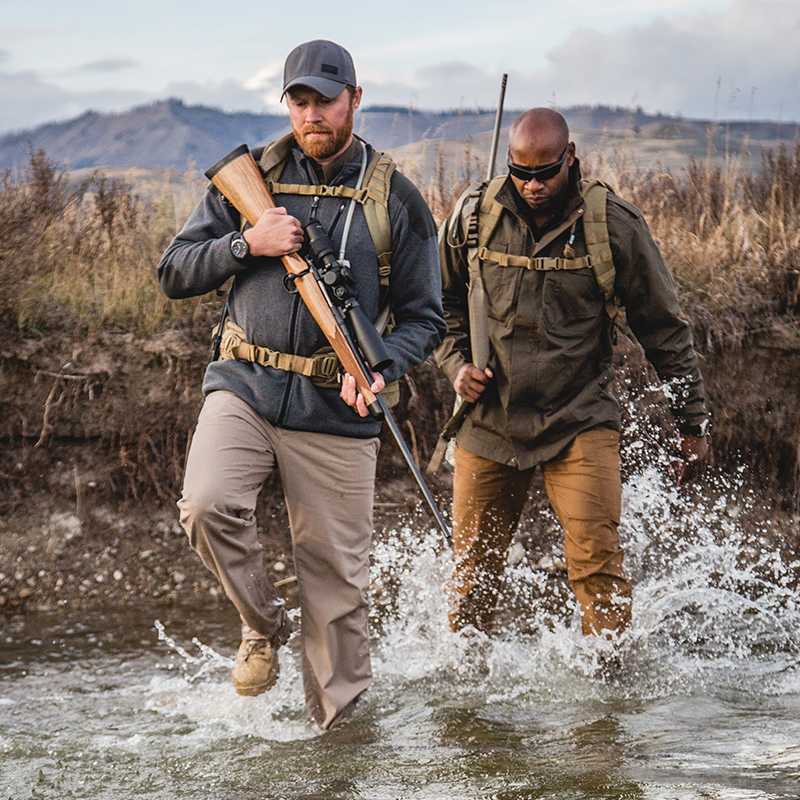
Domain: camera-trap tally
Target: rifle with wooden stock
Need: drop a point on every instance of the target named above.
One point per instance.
(323, 284)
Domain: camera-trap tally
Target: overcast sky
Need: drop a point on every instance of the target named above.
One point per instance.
(722, 59)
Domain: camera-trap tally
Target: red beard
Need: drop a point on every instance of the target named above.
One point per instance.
(323, 147)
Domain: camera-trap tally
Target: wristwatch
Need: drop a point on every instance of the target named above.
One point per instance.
(239, 246)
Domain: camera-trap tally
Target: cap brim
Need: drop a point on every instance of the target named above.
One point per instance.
(325, 86)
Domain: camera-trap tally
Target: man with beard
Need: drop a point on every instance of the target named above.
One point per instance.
(276, 399)
(553, 256)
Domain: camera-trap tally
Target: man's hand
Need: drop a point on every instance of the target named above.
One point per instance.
(275, 234)
(353, 397)
(471, 381)
(693, 452)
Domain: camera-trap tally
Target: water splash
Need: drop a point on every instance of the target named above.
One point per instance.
(204, 694)
(706, 704)
(209, 660)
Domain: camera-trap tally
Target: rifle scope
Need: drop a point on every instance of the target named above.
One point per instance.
(338, 279)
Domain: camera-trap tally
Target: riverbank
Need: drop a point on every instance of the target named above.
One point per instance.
(97, 428)
(88, 555)
(94, 556)
(100, 374)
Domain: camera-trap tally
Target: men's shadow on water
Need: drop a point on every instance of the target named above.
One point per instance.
(523, 759)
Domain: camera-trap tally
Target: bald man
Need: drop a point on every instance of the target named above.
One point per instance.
(534, 266)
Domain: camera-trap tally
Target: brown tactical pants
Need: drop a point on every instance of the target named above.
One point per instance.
(584, 488)
(328, 483)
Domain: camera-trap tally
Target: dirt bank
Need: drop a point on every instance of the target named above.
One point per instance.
(95, 430)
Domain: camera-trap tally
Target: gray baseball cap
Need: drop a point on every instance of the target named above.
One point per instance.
(320, 64)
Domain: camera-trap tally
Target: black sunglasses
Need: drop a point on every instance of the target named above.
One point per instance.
(540, 174)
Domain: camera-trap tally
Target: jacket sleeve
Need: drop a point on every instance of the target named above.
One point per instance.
(199, 258)
(648, 291)
(454, 351)
(415, 282)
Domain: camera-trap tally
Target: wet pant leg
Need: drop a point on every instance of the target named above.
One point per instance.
(329, 485)
(585, 490)
(488, 498)
(230, 457)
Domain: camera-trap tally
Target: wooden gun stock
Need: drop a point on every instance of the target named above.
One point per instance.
(238, 178)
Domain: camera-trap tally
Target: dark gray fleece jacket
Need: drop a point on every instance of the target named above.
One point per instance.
(199, 260)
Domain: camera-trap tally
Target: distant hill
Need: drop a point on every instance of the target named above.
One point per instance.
(171, 135)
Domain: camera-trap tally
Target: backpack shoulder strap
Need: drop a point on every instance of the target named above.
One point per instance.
(378, 184)
(483, 216)
(489, 211)
(595, 232)
(273, 156)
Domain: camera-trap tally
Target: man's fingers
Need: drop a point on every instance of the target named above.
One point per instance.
(276, 234)
(471, 381)
(350, 394)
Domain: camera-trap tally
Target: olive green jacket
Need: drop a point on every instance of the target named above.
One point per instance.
(550, 334)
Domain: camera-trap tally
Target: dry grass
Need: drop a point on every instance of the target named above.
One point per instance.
(731, 237)
(84, 254)
(81, 255)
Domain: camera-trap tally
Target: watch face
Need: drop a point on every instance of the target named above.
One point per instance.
(239, 248)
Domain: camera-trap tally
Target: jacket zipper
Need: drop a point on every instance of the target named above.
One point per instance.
(290, 379)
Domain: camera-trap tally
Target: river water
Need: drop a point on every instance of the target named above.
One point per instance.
(139, 704)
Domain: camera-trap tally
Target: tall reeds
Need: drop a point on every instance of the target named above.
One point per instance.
(81, 255)
(732, 238)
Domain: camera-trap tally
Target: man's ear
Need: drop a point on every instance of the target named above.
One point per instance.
(356, 98)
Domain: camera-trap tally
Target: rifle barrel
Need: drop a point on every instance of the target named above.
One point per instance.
(412, 465)
(498, 121)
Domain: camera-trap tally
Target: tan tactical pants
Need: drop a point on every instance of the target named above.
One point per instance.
(584, 488)
(328, 483)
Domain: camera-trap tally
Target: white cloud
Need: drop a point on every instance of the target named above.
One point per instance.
(28, 101)
(228, 95)
(740, 60)
(675, 64)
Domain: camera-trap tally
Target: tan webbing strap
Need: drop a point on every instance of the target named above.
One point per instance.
(316, 189)
(538, 264)
(323, 366)
(595, 232)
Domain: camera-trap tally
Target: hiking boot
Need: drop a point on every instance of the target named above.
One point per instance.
(256, 668)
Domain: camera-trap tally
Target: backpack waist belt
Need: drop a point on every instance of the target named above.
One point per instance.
(323, 367)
